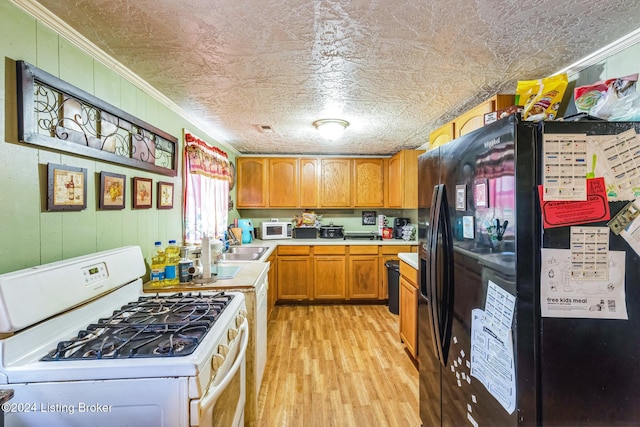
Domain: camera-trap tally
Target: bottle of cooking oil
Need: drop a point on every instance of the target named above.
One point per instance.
(171, 267)
(158, 261)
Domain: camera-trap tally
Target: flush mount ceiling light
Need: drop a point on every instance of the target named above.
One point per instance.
(331, 128)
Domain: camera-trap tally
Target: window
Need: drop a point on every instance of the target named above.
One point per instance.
(207, 175)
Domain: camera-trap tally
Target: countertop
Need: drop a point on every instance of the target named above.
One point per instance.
(246, 278)
(251, 271)
(410, 258)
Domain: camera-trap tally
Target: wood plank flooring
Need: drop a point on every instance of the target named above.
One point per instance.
(337, 365)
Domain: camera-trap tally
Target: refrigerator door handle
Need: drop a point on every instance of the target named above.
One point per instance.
(440, 277)
(446, 298)
(432, 285)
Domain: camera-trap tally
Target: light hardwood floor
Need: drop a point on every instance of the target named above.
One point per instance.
(337, 365)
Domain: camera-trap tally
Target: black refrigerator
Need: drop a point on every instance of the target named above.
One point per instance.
(494, 345)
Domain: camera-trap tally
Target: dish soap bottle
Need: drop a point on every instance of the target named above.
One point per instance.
(171, 267)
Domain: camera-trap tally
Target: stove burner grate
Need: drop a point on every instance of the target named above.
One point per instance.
(153, 326)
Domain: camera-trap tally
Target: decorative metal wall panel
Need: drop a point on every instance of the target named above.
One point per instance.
(56, 115)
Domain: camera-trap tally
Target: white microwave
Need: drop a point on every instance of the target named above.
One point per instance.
(276, 230)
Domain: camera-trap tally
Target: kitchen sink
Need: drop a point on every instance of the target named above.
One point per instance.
(251, 256)
(247, 250)
(243, 253)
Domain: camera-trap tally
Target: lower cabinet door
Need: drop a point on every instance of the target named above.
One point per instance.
(363, 277)
(330, 274)
(409, 316)
(295, 278)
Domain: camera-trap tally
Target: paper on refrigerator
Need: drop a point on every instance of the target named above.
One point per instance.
(589, 253)
(617, 159)
(564, 167)
(562, 296)
(492, 361)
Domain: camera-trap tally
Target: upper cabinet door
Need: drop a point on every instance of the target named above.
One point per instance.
(368, 183)
(395, 181)
(442, 135)
(283, 182)
(403, 180)
(309, 183)
(335, 183)
(474, 118)
(252, 182)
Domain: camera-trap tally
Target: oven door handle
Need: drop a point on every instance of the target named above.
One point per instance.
(214, 391)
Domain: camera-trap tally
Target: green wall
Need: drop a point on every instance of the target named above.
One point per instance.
(29, 234)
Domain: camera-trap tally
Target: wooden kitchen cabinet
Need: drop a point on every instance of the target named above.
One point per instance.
(474, 118)
(333, 272)
(409, 315)
(442, 135)
(403, 180)
(335, 182)
(252, 182)
(317, 182)
(284, 187)
(309, 182)
(368, 183)
(330, 273)
(363, 273)
(409, 294)
(295, 273)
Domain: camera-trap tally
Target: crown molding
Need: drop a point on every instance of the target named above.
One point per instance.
(45, 16)
(603, 53)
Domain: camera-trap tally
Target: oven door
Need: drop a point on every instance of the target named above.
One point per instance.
(222, 404)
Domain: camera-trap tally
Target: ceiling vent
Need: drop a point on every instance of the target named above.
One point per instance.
(264, 128)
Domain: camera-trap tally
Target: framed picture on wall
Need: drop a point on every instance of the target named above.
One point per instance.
(368, 218)
(112, 191)
(66, 188)
(165, 195)
(142, 193)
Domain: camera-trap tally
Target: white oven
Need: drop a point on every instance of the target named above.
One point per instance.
(85, 346)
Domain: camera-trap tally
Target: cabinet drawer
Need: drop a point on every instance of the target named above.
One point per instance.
(409, 273)
(363, 250)
(294, 250)
(329, 250)
(394, 250)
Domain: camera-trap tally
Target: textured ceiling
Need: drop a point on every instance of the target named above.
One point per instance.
(395, 70)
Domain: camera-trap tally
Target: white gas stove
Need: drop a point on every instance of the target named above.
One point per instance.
(86, 346)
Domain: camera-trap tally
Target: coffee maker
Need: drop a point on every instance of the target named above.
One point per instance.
(398, 223)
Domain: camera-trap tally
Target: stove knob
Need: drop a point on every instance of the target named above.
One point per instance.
(223, 350)
(233, 333)
(216, 362)
(240, 318)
